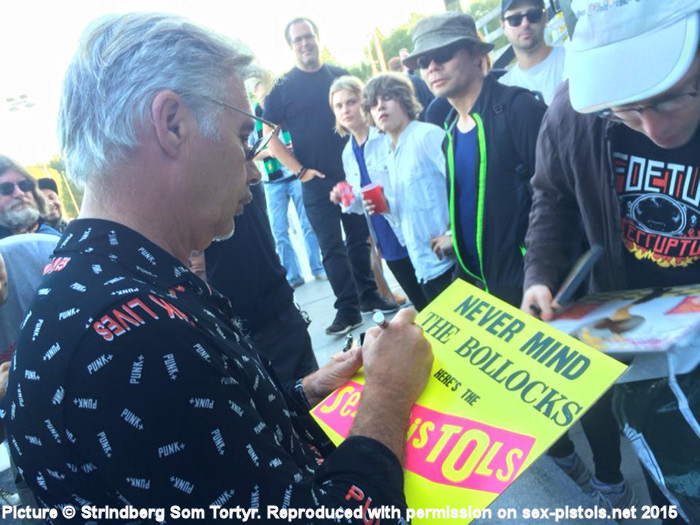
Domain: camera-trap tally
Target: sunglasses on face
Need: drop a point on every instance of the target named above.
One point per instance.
(8, 188)
(533, 16)
(439, 56)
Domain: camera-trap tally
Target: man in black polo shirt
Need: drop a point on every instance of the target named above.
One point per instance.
(131, 387)
(300, 102)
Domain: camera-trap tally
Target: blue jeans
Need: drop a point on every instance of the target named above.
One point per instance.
(278, 195)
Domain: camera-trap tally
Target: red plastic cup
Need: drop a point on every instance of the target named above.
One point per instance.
(346, 194)
(374, 193)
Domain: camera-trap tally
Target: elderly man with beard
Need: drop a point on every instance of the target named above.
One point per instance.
(21, 205)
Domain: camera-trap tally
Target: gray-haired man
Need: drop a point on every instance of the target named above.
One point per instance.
(132, 387)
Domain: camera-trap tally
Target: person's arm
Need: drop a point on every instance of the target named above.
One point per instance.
(352, 177)
(396, 360)
(524, 119)
(441, 245)
(286, 157)
(221, 430)
(554, 210)
(3, 281)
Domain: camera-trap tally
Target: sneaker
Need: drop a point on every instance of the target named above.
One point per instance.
(379, 305)
(612, 496)
(576, 470)
(296, 283)
(342, 325)
(320, 277)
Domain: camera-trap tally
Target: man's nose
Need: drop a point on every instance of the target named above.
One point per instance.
(17, 191)
(253, 175)
(655, 125)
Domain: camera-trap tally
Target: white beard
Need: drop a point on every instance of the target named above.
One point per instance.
(227, 236)
(19, 219)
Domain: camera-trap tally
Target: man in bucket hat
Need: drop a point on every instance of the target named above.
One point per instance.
(619, 150)
(490, 152)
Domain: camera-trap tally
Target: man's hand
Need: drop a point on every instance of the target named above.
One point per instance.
(397, 363)
(442, 246)
(311, 173)
(369, 206)
(397, 359)
(538, 301)
(336, 372)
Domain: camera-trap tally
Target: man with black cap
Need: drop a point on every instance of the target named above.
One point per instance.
(539, 67)
(619, 150)
(54, 206)
(490, 152)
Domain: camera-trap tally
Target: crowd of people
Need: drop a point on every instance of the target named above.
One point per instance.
(153, 367)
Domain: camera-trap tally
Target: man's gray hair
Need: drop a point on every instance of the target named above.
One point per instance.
(122, 63)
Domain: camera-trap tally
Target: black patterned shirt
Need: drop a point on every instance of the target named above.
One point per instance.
(131, 386)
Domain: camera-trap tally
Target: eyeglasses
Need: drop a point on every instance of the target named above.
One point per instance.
(439, 56)
(8, 188)
(669, 104)
(259, 144)
(533, 16)
(301, 38)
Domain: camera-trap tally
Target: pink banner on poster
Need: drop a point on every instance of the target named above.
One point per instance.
(443, 448)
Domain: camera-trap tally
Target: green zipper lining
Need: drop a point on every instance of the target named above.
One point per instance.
(481, 138)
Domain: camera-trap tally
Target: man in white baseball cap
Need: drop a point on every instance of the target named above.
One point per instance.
(619, 150)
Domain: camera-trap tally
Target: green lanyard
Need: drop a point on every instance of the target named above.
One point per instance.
(481, 137)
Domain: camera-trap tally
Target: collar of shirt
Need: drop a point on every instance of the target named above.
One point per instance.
(131, 250)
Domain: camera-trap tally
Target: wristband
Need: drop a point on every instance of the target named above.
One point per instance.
(301, 395)
(299, 174)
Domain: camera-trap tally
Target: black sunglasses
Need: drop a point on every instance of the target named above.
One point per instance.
(259, 144)
(8, 188)
(533, 16)
(439, 56)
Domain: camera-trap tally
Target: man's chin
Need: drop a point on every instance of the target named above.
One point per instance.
(19, 218)
(228, 235)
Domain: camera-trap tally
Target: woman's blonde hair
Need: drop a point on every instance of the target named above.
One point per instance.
(347, 83)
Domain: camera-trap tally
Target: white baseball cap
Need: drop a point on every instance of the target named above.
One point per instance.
(623, 52)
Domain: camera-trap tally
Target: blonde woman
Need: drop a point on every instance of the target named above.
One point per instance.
(364, 162)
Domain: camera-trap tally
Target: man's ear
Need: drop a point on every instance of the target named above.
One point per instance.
(170, 121)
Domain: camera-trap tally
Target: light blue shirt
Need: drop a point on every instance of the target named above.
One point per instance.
(418, 197)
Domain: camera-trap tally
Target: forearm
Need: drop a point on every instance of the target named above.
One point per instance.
(548, 239)
(282, 154)
(384, 418)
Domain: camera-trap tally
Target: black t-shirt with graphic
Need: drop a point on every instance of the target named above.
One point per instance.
(659, 191)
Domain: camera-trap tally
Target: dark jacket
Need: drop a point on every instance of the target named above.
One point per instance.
(508, 119)
(574, 166)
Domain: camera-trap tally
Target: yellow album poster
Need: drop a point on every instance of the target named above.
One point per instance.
(504, 386)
